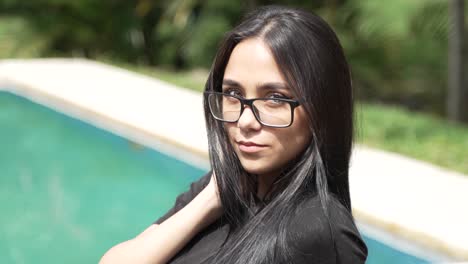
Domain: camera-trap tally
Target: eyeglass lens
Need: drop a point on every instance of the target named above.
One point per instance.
(269, 111)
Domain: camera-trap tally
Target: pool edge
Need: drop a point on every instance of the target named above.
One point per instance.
(190, 154)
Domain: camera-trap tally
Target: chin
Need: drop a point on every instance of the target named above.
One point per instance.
(254, 168)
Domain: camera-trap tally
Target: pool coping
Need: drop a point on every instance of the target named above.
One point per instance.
(31, 79)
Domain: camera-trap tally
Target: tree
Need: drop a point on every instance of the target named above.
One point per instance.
(456, 96)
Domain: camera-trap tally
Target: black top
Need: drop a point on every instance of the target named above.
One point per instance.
(311, 243)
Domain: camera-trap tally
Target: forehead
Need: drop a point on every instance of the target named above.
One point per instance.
(251, 62)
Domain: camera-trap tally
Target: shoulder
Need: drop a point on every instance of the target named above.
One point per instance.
(186, 197)
(317, 237)
(195, 188)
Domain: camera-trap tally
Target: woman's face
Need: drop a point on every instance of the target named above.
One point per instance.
(252, 72)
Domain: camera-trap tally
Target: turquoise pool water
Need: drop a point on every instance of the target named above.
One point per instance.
(69, 191)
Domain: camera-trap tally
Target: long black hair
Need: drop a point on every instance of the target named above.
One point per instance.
(313, 64)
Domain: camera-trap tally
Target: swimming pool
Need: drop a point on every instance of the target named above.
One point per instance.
(70, 191)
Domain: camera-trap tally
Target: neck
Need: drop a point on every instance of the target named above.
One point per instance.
(264, 184)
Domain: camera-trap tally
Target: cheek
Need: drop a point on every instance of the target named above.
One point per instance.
(292, 144)
(301, 124)
(298, 135)
(229, 128)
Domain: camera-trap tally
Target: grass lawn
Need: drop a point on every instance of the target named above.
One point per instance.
(390, 128)
(417, 135)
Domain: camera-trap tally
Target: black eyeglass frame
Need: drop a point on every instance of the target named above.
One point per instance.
(249, 102)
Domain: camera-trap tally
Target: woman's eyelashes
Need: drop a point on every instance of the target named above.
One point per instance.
(278, 96)
(239, 93)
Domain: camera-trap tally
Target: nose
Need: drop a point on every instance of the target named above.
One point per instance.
(247, 120)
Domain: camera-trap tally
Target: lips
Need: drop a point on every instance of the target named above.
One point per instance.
(249, 143)
(250, 147)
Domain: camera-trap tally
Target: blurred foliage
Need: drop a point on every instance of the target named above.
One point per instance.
(397, 49)
(17, 40)
(416, 135)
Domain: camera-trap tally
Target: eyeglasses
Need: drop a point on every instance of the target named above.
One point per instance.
(272, 112)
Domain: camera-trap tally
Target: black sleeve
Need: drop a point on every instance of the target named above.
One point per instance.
(312, 240)
(185, 198)
(350, 245)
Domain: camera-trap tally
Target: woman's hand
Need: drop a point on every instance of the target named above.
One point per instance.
(159, 243)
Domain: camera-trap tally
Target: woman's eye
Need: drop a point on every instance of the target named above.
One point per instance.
(277, 96)
(233, 92)
(273, 102)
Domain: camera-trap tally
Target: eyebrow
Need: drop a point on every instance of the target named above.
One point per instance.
(261, 86)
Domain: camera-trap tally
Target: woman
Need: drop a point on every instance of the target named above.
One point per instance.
(279, 115)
